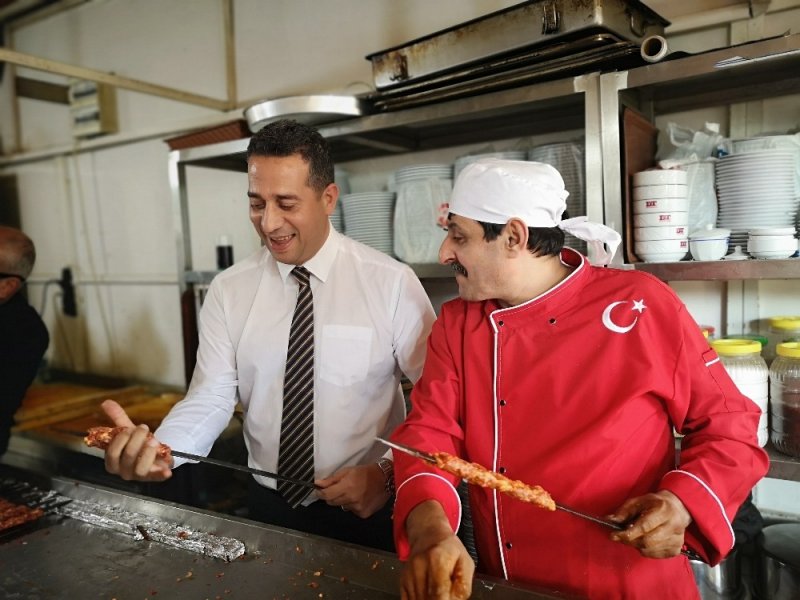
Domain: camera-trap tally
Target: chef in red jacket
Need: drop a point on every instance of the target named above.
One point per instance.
(571, 376)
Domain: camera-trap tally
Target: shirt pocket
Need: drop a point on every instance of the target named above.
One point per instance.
(345, 355)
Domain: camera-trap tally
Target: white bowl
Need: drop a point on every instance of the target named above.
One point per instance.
(661, 257)
(677, 249)
(656, 219)
(770, 255)
(661, 205)
(710, 249)
(666, 190)
(772, 243)
(660, 177)
(668, 232)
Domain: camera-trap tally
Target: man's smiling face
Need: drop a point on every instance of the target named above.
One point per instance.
(290, 216)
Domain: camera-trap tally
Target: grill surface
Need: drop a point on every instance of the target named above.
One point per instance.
(60, 557)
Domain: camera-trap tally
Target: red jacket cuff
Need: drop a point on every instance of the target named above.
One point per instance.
(414, 491)
(710, 534)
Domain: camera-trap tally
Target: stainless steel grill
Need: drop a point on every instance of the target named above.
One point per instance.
(66, 556)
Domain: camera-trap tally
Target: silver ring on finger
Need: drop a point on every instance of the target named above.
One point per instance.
(343, 507)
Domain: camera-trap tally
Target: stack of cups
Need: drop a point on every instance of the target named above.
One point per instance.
(660, 215)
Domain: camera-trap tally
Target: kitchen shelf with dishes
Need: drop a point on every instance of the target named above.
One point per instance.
(721, 270)
(591, 102)
(550, 106)
(631, 101)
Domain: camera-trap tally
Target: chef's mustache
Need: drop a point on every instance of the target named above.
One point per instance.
(459, 268)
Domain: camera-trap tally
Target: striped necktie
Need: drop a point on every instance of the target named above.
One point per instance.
(296, 455)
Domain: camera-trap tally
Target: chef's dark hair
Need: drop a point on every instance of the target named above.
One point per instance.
(542, 241)
(287, 137)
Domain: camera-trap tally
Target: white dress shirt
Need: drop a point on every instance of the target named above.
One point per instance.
(371, 322)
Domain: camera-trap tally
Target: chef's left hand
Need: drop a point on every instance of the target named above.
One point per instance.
(656, 524)
(360, 490)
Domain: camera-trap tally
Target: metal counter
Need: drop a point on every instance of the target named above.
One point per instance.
(60, 557)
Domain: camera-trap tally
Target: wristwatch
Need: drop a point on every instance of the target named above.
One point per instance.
(387, 466)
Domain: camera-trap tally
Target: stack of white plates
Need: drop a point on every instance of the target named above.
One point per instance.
(660, 215)
(368, 218)
(772, 242)
(568, 159)
(463, 161)
(413, 173)
(756, 190)
(423, 192)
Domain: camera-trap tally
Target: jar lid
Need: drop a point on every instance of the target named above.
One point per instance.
(783, 322)
(736, 347)
(710, 233)
(761, 339)
(790, 349)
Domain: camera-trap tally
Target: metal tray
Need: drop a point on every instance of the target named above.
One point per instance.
(311, 110)
(512, 31)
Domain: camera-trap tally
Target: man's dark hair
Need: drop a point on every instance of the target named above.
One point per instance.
(542, 241)
(287, 137)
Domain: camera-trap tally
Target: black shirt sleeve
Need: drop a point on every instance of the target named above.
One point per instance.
(23, 341)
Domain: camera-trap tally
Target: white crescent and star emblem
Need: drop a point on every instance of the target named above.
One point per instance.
(638, 305)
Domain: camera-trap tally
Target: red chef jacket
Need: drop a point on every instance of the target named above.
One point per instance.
(578, 390)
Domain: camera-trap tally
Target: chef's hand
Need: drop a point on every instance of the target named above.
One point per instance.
(657, 523)
(439, 566)
(360, 490)
(132, 454)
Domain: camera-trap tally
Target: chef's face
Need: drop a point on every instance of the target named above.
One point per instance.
(477, 263)
(290, 216)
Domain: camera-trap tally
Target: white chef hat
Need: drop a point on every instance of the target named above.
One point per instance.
(492, 190)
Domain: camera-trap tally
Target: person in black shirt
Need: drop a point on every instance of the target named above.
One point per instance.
(23, 335)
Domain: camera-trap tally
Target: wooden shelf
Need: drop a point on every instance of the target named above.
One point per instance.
(782, 466)
(722, 270)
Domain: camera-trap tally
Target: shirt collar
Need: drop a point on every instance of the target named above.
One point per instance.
(321, 263)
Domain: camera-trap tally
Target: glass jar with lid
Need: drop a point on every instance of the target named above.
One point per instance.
(748, 370)
(784, 410)
(781, 329)
(761, 339)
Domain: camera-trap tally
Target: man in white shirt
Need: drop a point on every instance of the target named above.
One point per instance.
(371, 322)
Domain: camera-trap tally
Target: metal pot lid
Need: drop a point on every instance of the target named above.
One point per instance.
(311, 110)
(782, 542)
